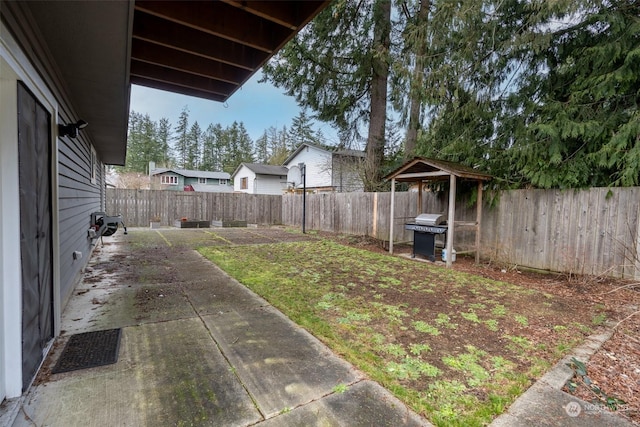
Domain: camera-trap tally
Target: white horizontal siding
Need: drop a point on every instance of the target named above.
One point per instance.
(318, 166)
(244, 172)
(270, 184)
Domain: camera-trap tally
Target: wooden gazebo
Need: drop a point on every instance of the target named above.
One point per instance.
(423, 170)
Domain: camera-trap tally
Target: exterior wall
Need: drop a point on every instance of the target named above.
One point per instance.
(157, 180)
(10, 274)
(24, 57)
(318, 166)
(270, 184)
(212, 185)
(346, 174)
(244, 172)
(79, 196)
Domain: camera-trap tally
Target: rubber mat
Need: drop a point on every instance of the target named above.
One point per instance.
(88, 350)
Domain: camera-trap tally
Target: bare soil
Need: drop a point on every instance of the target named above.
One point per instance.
(615, 368)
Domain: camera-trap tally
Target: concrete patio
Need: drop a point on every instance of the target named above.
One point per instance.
(197, 348)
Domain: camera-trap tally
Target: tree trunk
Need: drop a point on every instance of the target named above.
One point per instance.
(416, 88)
(378, 117)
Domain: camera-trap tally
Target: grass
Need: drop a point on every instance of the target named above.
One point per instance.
(452, 346)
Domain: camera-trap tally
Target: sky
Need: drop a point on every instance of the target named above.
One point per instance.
(258, 105)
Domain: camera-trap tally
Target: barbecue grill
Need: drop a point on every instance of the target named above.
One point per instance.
(425, 227)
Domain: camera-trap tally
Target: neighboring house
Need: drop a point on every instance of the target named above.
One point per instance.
(253, 178)
(327, 168)
(190, 180)
(63, 64)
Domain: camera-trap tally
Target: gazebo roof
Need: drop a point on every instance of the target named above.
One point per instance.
(421, 168)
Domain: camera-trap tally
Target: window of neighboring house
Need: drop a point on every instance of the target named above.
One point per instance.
(94, 166)
(169, 179)
(222, 182)
(244, 183)
(202, 180)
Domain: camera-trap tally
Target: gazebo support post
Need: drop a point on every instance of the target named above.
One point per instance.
(392, 214)
(419, 198)
(478, 221)
(451, 219)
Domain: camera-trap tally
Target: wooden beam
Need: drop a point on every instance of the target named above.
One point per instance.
(421, 174)
(152, 53)
(419, 198)
(165, 33)
(392, 214)
(478, 221)
(451, 220)
(169, 87)
(220, 19)
(290, 14)
(179, 78)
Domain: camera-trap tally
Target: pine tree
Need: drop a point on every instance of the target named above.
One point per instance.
(262, 148)
(181, 147)
(301, 131)
(194, 147)
(164, 138)
(337, 66)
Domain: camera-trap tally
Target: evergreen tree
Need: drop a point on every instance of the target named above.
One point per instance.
(181, 147)
(209, 151)
(143, 145)
(278, 147)
(164, 138)
(583, 123)
(337, 66)
(194, 147)
(301, 131)
(262, 148)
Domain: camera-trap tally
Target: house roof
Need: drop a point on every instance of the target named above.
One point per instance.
(332, 150)
(206, 49)
(261, 169)
(192, 174)
(422, 168)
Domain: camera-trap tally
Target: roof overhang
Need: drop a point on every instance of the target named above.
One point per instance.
(89, 44)
(209, 49)
(424, 169)
(206, 49)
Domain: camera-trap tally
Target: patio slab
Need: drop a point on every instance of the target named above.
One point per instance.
(198, 348)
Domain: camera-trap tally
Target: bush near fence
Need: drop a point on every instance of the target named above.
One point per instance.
(593, 231)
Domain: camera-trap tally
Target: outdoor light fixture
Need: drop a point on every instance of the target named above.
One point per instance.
(71, 129)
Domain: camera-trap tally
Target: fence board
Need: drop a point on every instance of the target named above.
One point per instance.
(138, 207)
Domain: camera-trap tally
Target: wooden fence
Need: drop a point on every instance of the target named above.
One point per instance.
(138, 207)
(593, 231)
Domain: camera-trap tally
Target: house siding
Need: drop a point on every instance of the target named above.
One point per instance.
(318, 166)
(270, 184)
(24, 58)
(212, 185)
(78, 198)
(244, 172)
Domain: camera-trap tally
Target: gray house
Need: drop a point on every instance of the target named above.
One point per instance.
(190, 180)
(66, 64)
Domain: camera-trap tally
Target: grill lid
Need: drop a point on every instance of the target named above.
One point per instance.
(430, 219)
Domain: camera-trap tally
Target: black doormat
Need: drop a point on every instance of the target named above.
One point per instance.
(88, 350)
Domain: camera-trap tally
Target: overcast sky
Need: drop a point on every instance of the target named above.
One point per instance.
(257, 105)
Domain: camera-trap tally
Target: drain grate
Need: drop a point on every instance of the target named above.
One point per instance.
(88, 350)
